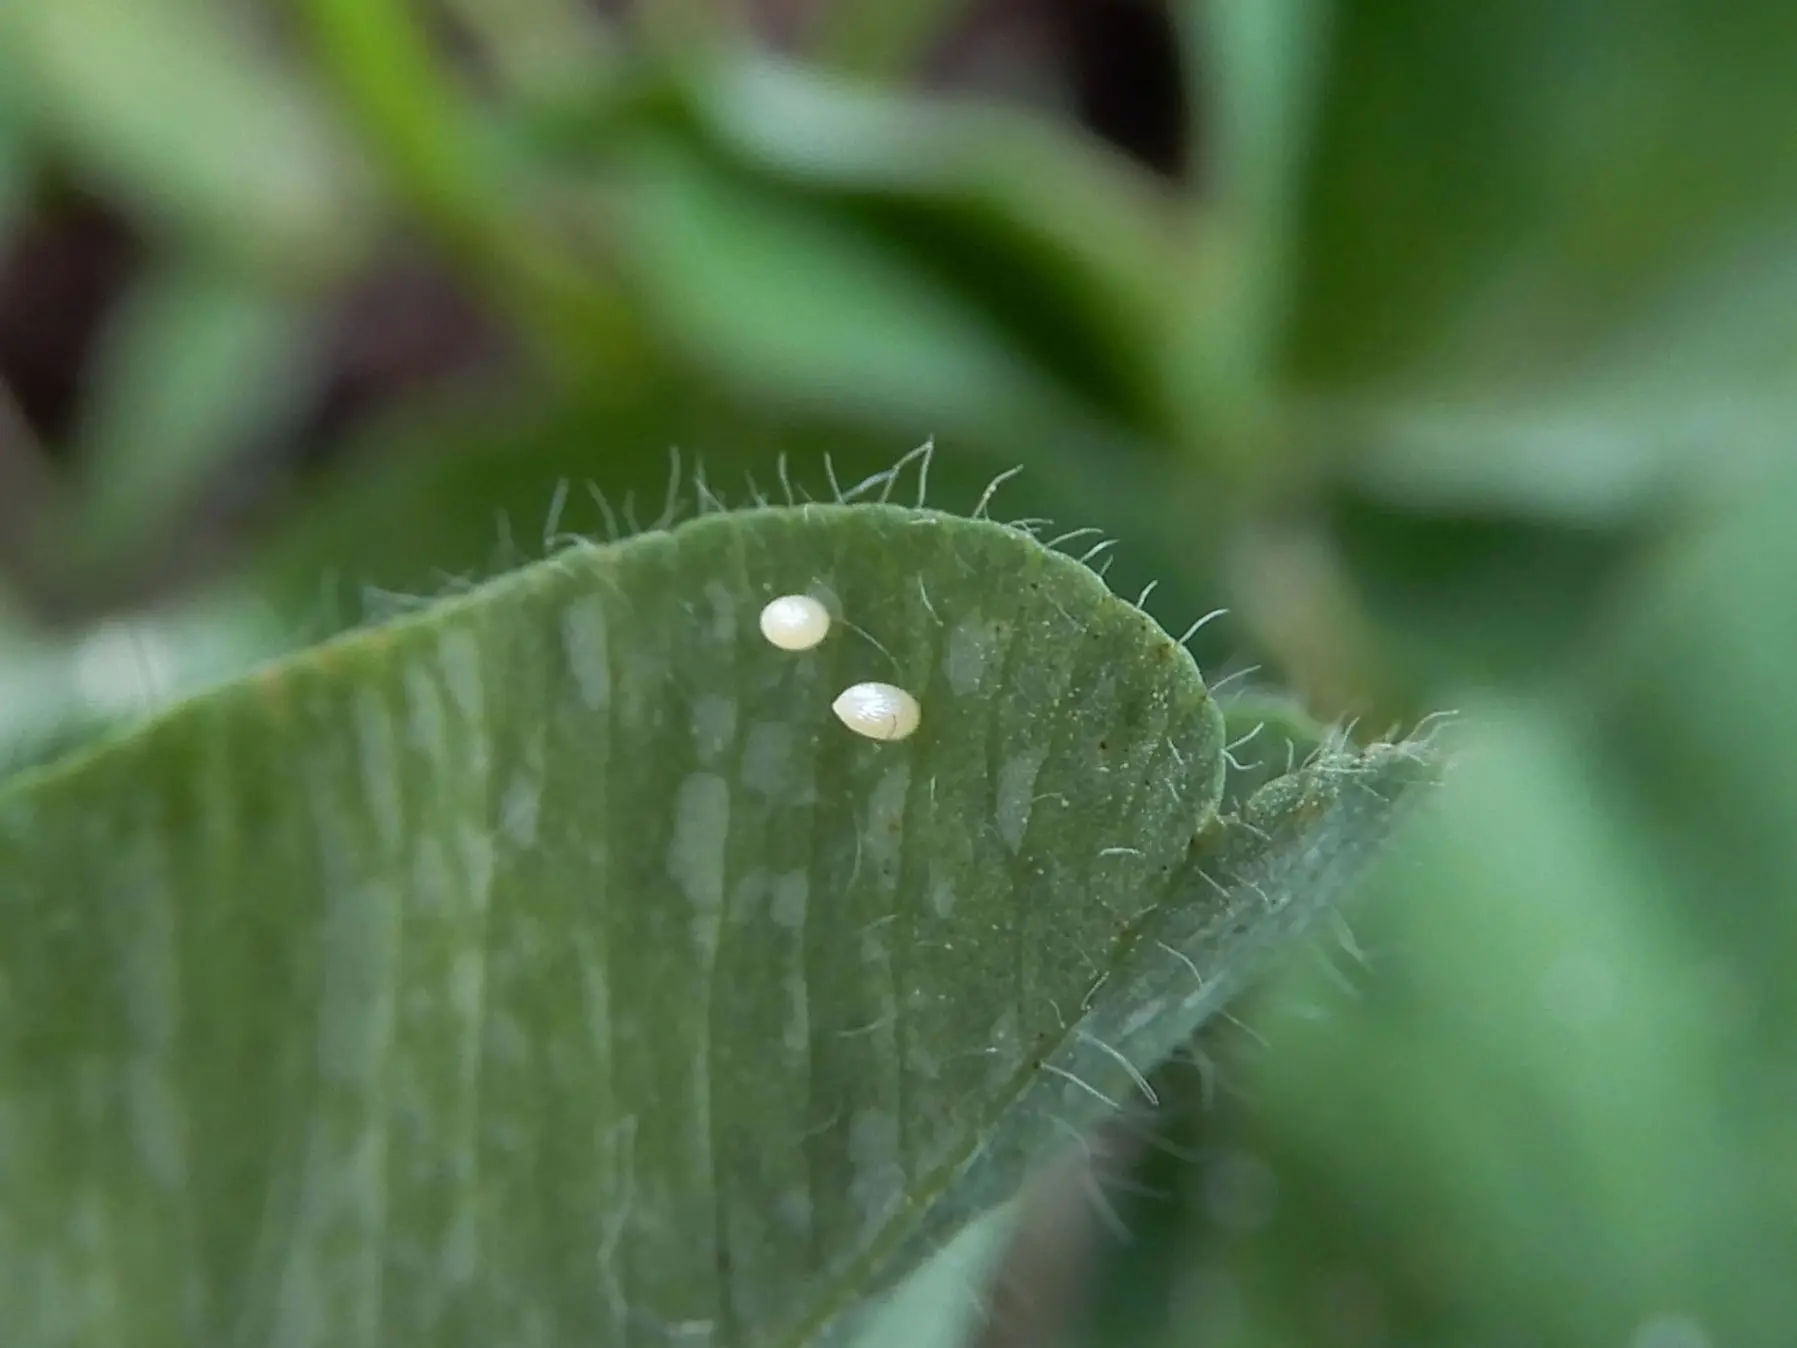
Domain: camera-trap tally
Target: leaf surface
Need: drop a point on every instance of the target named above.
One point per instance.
(552, 967)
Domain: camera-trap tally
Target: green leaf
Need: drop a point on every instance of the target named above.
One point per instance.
(1543, 263)
(941, 1304)
(196, 365)
(1485, 544)
(872, 209)
(1510, 199)
(1253, 73)
(1571, 1049)
(1695, 714)
(414, 119)
(555, 959)
(431, 140)
(1547, 1068)
(1557, 1104)
(713, 257)
(1270, 735)
(1481, 597)
(1059, 244)
(1295, 851)
(457, 489)
(177, 108)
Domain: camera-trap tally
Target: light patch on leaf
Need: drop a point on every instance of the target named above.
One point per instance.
(714, 726)
(585, 642)
(696, 851)
(768, 766)
(970, 647)
(1016, 794)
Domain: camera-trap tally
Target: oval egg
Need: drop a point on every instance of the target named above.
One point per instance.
(795, 622)
(878, 711)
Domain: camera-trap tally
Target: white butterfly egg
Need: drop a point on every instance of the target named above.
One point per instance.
(878, 711)
(795, 622)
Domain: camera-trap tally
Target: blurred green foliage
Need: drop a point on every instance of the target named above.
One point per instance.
(1460, 368)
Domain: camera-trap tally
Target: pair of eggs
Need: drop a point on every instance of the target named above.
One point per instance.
(880, 711)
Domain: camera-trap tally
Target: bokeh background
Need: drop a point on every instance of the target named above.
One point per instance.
(1449, 346)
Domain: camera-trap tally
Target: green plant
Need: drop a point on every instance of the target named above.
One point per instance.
(430, 912)
(570, 927)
